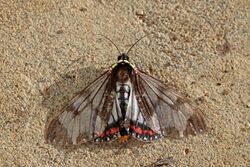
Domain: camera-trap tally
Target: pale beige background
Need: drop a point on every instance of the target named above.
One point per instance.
(201, 46)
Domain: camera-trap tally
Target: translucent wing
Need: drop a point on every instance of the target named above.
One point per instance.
(166, 112)
(138, 126)
(112, 130)
(86, 116)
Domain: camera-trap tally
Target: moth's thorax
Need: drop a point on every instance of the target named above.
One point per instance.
(122, 75)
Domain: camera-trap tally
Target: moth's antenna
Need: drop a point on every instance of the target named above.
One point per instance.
(136, 43)
(112, 43)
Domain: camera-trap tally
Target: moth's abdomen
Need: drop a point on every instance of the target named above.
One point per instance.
(123, 93)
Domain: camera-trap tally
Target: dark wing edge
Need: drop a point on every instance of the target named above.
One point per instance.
(85, 116)
(166, 111)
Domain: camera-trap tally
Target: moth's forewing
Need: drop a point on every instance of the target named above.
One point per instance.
(165, 110)
(84, 116)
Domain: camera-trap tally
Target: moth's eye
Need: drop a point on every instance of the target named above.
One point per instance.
(119, 57)
(126, 58)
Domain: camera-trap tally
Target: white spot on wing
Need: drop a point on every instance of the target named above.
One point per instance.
(75, 129)
(179, 121)
(70, 128)
(84, 120)
(114, 112)
(67, 119)
(140, 118)
(181, 133)
(135, 109)
(155, 122)
(98, 125)
(114, 115)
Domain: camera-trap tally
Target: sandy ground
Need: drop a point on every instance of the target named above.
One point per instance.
(201, 46)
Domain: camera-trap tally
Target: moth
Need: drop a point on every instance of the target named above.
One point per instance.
(123, 103)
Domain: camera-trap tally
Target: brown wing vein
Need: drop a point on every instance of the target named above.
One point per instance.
(91, 100)
(161, 90)
(183, 117)
(142, 99)
(65, 127)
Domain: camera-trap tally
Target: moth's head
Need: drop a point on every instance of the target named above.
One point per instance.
(123, 61)
(123, 58)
